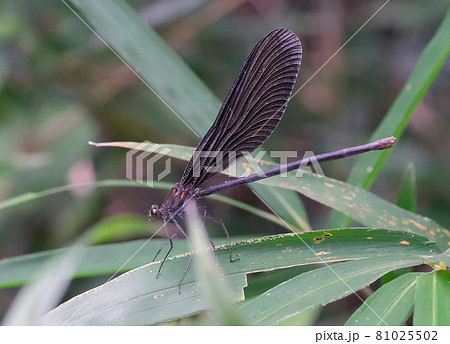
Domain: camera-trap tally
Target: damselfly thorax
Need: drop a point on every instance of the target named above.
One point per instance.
(178, 196)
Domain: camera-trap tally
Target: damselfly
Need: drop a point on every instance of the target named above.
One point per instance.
(250, 113)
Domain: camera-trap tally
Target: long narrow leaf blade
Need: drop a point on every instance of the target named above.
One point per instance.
(137, 297)
(49, 283)
(144, 51)
(363, 206)
(212, 287)
(320, 287)
(97, 260)
(432, 301)
(391, 305)
(407, 194)
(431, 61)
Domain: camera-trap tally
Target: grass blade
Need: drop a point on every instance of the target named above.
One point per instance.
(431, 61)
(138, 298)
(390, 305)
(320, 286)
(213, 287)
(432, 301)
(48, 286)
(407, 195)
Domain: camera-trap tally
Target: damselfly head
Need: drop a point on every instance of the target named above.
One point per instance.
(154, 212)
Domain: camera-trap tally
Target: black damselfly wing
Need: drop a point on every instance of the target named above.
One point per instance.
(250, 113)
(253, 107)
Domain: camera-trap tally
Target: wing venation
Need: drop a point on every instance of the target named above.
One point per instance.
(253, 107)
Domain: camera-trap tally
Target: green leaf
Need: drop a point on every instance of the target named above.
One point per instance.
(137, 297)
(208, 273)
(164, 73)
(319, 287)
(432, 301)
(407, 195)
(119, 227)
(306, 318)
(49, 283)
(172, 81)
(407, 200)
(34, 196)
(260, 282)
(391, 305)
(431, 61)
(286, 205)
(97, 260)
(442, 257)
(362, 205)
(390, 276)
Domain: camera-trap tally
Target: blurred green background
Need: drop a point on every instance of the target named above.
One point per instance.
(60, 87)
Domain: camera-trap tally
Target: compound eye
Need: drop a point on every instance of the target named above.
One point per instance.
(154, 212)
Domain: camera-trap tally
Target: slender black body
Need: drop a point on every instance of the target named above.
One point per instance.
(250, 113)
(385, 143)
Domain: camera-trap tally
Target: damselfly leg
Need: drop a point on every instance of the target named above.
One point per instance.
(170, 241)
(217, 220)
